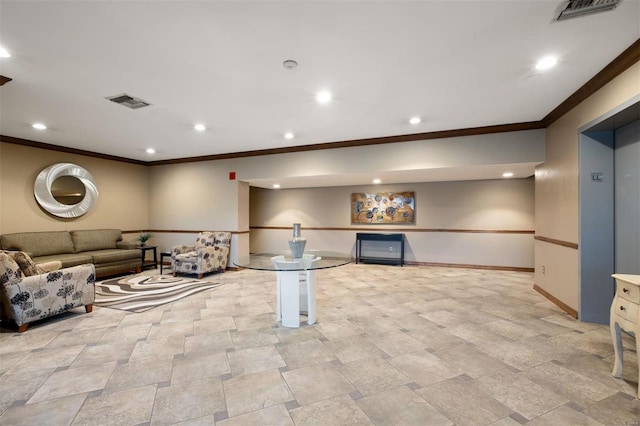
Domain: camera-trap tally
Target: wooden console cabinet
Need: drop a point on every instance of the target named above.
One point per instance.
(377, 257)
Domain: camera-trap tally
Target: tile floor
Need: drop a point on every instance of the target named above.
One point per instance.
(392, 346)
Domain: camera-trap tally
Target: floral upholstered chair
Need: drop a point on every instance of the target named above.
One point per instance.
(210, 253)
(30, 292)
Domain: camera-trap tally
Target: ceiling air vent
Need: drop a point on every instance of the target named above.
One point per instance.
(574, 8)
(128, 101)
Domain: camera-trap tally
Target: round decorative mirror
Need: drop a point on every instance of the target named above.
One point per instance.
(65, 190)
(68, 190)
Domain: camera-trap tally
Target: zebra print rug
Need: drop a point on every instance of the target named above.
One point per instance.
(139, 293)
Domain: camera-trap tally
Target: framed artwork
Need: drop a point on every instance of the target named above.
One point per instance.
(383, 208)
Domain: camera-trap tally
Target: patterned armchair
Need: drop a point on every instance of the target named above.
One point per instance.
(210, 253)
(42, 293)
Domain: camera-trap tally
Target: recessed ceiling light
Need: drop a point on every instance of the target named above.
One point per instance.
(323, 97)
(151, 151)
(507, 174)
(415, 120)
(4, 53)
(546, 63)
(288, 135)
(276, 185)
(39, 126)
(377, 181)
(199, 127)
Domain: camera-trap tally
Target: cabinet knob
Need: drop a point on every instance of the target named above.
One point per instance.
(625, 290)
(622, 308)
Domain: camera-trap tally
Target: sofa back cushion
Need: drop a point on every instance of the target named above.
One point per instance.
(95, 239)
(215, 239)
(38, 243)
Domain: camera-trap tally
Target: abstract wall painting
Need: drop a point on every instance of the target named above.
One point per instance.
(383, 208)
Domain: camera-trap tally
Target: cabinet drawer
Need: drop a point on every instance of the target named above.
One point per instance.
(625, 325)
(627, 310)
(628, 291)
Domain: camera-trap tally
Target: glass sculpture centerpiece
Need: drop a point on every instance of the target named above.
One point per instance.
(297, 243)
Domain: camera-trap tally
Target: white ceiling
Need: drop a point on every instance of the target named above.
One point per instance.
(456, 64)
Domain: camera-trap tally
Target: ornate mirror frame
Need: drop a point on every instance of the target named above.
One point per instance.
(45, 179)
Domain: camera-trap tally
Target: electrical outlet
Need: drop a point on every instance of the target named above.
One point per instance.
(544, 269)
(390, 248)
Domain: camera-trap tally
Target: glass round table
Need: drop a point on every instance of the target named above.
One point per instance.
(295, 280)
(264, 261)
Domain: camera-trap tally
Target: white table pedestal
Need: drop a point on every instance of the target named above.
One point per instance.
(308, 295)
(296, 290)
(290, 298)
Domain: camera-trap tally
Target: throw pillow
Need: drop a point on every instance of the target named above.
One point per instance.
(9, 269)
(27, 266)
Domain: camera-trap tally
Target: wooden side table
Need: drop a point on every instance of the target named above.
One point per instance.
(625, 316)
(144, 250)
(164, 254)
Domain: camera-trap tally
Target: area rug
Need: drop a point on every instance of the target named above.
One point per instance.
(139, 293)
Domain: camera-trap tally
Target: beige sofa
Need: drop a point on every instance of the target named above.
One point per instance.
(102, 247)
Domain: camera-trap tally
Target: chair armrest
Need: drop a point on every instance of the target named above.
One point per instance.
(127, 245)
(51, 266)
(217, 254)
(223, 251)
(182, 249)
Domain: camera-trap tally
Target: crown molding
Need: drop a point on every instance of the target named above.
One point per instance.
(620, 64)
(42, 145)
(501, 128)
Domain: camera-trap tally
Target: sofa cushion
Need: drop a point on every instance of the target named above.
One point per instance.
(68, 260)
(95, 239)
(115, 255)
(38, 243)
(191, 256)
(9, 269)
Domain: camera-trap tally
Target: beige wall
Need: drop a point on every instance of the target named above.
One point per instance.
(193, 196)
(196, 196)
(556, 204)
(456, 153)
(123, 200)
(200, 196)
(471, 205)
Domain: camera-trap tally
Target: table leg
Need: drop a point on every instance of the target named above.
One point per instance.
(617, 344)
(617, 348)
